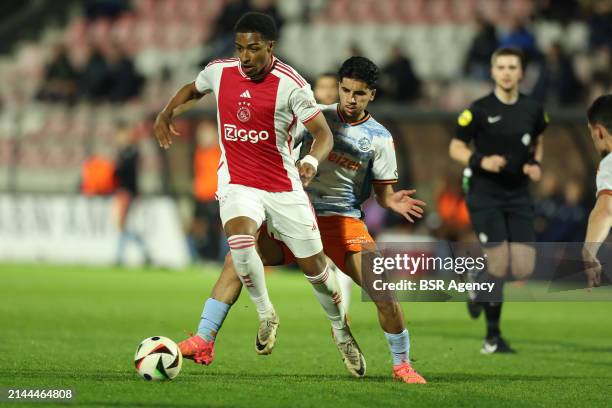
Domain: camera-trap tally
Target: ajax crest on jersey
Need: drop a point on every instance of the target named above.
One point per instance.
(158, 358)
(364, 144)
(244, 113)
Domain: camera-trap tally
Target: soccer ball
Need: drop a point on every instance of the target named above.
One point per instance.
(158, 358)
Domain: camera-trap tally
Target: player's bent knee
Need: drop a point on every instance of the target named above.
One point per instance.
(523, 270)
(240, 226)
(498, 260)
(523, 261)
(313, 265)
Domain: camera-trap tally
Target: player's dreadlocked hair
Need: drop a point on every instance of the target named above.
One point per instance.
(361, 69)
(261, 23)
(600, 112)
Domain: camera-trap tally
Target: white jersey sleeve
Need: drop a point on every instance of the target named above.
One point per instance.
(303, 104)
(384, 166)
(205, 81)
(604, 176)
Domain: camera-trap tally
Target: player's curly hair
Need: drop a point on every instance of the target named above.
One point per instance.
(261, 23)
(600, 112)
(361, 69)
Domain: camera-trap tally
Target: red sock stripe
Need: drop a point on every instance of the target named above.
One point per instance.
(241, 241)
(239, 246)
(317, 279)
(247, 282)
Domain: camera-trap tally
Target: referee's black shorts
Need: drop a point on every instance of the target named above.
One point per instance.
(501, 215)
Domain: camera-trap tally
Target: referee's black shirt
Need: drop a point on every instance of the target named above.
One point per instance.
(511, 131)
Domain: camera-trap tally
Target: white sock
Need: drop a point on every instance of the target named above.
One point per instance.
(250, 270)
(327, 293)
(399, 344)
(346, 286)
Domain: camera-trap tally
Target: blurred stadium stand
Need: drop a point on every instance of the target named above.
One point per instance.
(123, 60)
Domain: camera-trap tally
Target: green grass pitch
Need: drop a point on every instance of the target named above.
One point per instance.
(71, 327)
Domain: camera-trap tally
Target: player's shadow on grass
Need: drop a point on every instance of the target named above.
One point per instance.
(285, 377)
(488, 377)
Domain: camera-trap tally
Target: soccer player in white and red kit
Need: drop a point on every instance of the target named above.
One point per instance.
(600, 220)
(362, 160)
(259, 101)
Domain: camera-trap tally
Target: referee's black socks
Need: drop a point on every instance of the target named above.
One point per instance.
(492, 313)
(492, 303)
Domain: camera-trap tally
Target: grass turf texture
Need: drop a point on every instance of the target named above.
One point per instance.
(71, 327)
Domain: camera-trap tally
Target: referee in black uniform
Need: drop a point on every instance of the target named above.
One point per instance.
(504, 130)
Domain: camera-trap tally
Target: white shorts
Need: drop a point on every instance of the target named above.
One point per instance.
(289, 215)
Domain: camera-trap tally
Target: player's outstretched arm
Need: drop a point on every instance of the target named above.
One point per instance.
(399, 201)
(163, 128)
(321, 146)
(600, 221)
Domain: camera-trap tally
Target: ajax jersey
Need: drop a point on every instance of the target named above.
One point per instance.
(256, 122)
(604, 176)
(363, 154)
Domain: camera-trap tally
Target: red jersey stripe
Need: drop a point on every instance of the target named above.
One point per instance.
(290, 75)
(219, 61)
(293, 71)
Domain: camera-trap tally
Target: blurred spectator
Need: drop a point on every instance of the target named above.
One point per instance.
(126, 175)
(93, 79)
(104, 8)
(268, 7)
(600, 24)
(59, 84)
(124, 82)
(452, 211)
(519, 36)
(562, 11)
(549, 199)
(601, 77)
(205, 235)
(478, 59)
(398, 81)
(568, 222)
(557, 84)
(97, 176)
(223, 35)
(326, 88)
